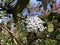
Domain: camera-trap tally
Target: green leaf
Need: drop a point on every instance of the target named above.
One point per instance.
(7, 0)
(50, 27)
(46, 42)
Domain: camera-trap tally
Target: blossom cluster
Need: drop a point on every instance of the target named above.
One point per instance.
(34, 24)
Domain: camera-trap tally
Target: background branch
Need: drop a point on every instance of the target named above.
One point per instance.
(38, 37)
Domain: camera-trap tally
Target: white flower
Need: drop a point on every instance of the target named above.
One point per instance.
(34, 24)
(47, 35)
(41, 28)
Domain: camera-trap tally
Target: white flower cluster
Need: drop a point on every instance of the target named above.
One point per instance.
(34, 24)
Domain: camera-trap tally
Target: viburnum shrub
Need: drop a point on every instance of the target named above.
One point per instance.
(34, 24)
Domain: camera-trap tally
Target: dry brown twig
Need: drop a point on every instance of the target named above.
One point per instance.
(11, 34)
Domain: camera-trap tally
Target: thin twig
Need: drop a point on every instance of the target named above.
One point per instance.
(10, 2)
(3, 7)
(11, 34)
